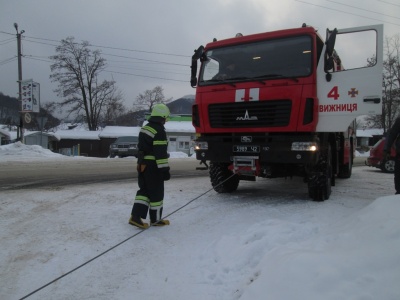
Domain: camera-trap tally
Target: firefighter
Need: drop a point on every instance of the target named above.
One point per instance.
(153, 169)
(393, 138)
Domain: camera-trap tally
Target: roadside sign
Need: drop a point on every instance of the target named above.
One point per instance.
(27, 118)
(30, 96)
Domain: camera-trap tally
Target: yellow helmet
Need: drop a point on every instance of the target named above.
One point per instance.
(160, 110)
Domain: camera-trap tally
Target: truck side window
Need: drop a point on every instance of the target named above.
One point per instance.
(211, 69)
(356, 49)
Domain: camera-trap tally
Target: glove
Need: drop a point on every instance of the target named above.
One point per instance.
(140, 168)
(166, 175)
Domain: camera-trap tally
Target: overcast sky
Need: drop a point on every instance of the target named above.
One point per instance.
(150, 42)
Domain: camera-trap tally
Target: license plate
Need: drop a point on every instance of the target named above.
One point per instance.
(123, 149)
(248, 149)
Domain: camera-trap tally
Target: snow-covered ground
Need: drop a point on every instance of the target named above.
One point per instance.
(266, 241)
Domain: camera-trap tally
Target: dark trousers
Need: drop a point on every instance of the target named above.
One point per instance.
(397, 174)
(150, 195)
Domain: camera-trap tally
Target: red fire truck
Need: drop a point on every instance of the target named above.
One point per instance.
(282, 104)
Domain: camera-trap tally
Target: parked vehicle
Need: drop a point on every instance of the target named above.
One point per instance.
(377, 157)
(124, 146)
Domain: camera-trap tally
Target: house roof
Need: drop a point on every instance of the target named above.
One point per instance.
(170, 126)
(107, 132)
(369, 132)
(49, 134)
(117, 131)
(179, 126)
(5, 133)
(77, 135)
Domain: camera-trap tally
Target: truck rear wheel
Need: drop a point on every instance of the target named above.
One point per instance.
(345, 170)
(320, 183)
(219, 174)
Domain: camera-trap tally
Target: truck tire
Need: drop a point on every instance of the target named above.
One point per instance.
(320, 184)
(219, 173)
(345, 170)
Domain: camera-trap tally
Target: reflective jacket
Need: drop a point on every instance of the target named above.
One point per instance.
(153, 142)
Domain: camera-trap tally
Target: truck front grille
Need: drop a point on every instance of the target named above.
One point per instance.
(274, 113)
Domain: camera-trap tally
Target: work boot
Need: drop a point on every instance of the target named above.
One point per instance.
(160, 223)
(137, 221)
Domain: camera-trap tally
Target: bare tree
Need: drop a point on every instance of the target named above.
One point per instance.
(113, 110)
(76, 68)
(390, 86)
(149, 98)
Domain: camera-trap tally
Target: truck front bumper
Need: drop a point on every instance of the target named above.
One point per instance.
(282, 149)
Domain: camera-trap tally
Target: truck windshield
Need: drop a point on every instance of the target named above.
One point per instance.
(272, 59)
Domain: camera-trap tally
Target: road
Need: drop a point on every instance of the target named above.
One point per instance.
(36, 174)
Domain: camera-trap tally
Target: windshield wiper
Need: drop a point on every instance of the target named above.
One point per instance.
(222, 81)
(276, 76)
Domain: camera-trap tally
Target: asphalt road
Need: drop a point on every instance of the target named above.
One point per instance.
(39, 174)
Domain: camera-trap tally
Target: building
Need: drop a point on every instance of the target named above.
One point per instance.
(368, 137)
(78, 141)
(180, 136)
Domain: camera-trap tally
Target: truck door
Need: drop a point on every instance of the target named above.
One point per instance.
(354, 89)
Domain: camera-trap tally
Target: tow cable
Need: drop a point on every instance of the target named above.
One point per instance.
(120, 243)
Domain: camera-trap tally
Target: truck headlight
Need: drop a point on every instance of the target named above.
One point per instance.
(201, 146)
(304, 146)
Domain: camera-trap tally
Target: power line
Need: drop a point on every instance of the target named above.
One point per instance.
(6, 61)
(145, 60)
(145, 76)
(141, 51)
(359, 8)
(389, 3)
(7, 33)
(35, 42)
(150, 70)
(31, 57)
(108, 47)
(345, 12)
(7, 41)
(121, 56)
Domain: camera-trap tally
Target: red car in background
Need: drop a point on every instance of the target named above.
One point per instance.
(377, 157)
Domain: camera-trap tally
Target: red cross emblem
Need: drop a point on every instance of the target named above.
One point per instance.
(247, 96)
(252, 94)
(353, 92)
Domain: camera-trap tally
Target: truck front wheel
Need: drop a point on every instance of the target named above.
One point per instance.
(223, 180)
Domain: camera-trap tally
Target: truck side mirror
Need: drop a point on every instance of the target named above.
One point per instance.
(330, 45)
(197, 54)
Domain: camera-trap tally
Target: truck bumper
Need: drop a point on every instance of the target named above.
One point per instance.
(269, 149)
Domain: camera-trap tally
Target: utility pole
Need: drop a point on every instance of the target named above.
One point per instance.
(20, 133)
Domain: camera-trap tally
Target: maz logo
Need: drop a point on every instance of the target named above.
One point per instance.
(247, 117)
(246, 139)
